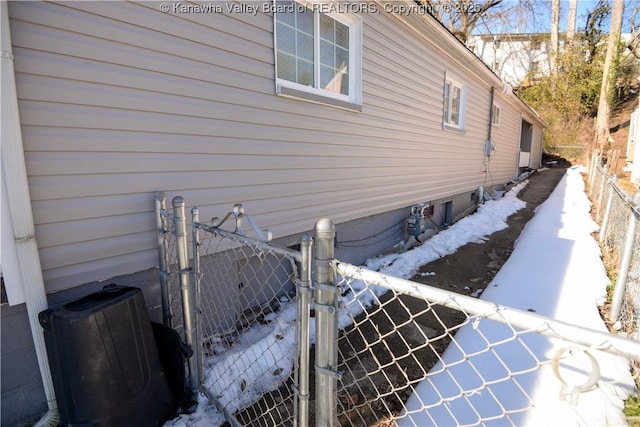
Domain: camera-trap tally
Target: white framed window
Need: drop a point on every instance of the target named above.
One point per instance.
(495, 115)
(454, 104)
(318, 53)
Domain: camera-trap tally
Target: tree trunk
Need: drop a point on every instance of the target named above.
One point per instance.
(571, 21)
(602, 135)
(555, 27)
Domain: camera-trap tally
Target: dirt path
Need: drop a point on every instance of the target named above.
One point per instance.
(473, 266)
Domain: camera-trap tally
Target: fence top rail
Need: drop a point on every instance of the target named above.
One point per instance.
(629, 200)
(259, 244)
(518, 318)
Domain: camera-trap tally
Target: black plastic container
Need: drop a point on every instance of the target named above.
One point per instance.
(104, 362)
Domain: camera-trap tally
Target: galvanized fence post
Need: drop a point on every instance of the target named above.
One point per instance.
(163, 268)
(188, 306)
(607, 209)
(603, 182)
(592, 171)
(625, 260)
(195, 235)
(326, 301)
(304, 307)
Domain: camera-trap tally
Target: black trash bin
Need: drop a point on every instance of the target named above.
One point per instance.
(104, 362)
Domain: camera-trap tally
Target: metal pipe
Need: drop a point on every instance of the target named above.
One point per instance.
(486, 309)
(195, 231)
(607, 209)
(304, 302)
(326, 298)
(163, 271)
(625, 261)
(188, 309)
(213, 229)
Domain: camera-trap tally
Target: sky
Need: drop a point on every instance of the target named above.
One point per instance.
(555, 270)
(539, 19)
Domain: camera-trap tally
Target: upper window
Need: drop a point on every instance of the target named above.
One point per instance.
(454, 100)
(317, 53)
(495, 116)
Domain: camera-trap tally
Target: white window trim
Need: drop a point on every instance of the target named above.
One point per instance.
(446, 124)
(290, 89)
(495, 118)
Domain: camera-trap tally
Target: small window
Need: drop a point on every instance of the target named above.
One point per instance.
(317, 53)
(454, 100)
(495, 118)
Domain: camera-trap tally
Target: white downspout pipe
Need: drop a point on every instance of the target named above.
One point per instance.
(15, 173)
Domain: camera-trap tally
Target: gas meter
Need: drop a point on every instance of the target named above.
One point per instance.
(415, 223)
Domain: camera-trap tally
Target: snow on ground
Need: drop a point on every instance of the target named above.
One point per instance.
(556, 271)
(558, 236)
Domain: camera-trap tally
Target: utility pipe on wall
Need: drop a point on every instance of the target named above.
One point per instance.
(15, 173)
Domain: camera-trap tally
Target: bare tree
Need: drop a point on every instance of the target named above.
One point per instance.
(602, 136)
(461, 16)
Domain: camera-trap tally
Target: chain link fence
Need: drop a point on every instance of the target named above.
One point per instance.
(291, 336)
(618, 214)
(414, 355)
(168, 269)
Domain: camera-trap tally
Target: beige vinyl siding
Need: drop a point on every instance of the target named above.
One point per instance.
(506, 137)
(118, 100)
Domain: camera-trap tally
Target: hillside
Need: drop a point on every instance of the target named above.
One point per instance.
(619, 128)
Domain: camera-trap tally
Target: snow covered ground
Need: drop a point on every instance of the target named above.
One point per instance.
(568, 288)
(556, 271)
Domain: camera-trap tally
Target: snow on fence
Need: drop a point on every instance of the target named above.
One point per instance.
(294, 337)
(619, 213)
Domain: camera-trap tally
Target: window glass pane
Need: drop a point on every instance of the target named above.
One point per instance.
(326, 28)
(304, 19)
(286, 67)
(305, 46)
(447, 96)
(286, 17)
(305, 73)
(286, 39)
(455, 106)
(327, 56)
(334, 81)
(342, 59)
(326, 77)
(342, 35)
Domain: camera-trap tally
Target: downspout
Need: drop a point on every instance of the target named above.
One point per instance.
(15, 172)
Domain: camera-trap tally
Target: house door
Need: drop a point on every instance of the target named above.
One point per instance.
(526, 138)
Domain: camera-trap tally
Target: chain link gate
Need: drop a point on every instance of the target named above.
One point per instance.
(242, 304)
(249, 294)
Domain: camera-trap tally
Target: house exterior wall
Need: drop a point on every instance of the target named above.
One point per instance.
(118, 100)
